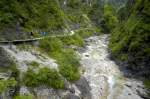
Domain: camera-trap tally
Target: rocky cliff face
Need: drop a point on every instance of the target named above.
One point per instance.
(72, 90)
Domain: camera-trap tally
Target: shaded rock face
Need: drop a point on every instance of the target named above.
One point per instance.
(5, 60)
(79, 90)
(23, 58)
(84, 88)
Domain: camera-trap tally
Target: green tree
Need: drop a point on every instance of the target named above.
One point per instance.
(110, 17)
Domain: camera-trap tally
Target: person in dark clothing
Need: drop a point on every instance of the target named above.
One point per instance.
(31, 34)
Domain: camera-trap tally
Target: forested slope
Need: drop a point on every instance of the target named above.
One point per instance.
(130, 39)
(20, 17)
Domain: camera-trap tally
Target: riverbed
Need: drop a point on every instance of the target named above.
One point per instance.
(103, 74)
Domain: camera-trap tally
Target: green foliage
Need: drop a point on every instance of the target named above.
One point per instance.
(69, 64)
(74, 3)
(66, 58)
(73, 40)
(50, 77)
(85, 33)
(45, 76)
(34, 64)
(147, 85)
(130, 37)
(51, 44)
(30, 78)
(31, 15)
(6, 84)
(71, 73)
(24, 97)
(110, 17)
(124, 57)
(50, 16)
(15, 72)
(95, 12)
(134, 46)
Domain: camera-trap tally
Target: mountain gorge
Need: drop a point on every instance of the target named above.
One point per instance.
(74, 49)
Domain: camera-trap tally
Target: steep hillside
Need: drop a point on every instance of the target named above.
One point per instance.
(130, 39)
(20, 18)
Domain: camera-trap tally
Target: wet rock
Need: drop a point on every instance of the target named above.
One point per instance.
(84, 88)
(5, 95)
(66, 85)
(129, 93)
(137, 88)
(71, 96)
(81, 50)
(24, 90)
(86, 55)
(11, 91)
(72, 90)
(46, 93)
(143, 94)
(73, 47)
(128, 85)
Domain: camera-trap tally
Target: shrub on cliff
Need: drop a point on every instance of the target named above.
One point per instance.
(69, 65)
(44, 76)
(6, 84)
(66, 58)
(23, 97)
(51, 45)
(76, 40)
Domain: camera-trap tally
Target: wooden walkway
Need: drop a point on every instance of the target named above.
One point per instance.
(32, 39)
(39, 38)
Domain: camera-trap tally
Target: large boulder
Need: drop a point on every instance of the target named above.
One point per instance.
(84, 88)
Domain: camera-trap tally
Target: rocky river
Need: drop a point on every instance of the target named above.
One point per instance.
(104, 76)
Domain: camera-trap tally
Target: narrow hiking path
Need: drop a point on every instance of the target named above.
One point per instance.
(35, 39)
(105, 78)
(40, 38)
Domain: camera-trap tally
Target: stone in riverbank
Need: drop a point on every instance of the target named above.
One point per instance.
(84, 88)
